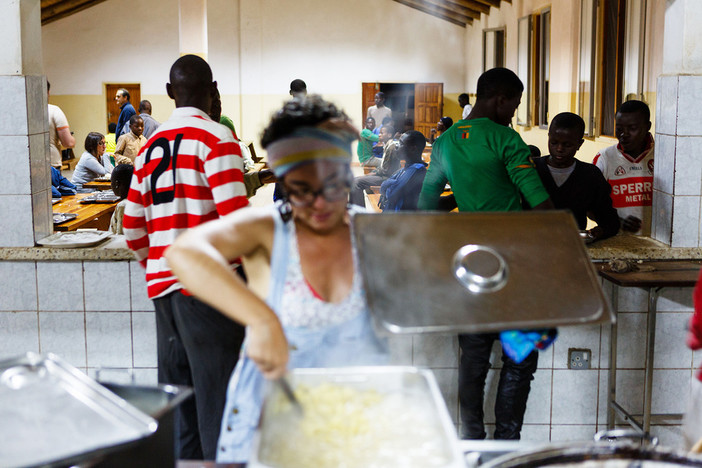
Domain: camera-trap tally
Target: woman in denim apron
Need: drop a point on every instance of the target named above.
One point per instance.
(314, 314)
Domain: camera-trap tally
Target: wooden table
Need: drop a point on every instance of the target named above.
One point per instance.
(90, 215)
(99, 185)
(660, 274)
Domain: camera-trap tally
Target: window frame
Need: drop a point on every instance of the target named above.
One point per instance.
(543, 66)
(497, 52)
(525, 67)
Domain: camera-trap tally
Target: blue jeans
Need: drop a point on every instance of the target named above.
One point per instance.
(512, 390)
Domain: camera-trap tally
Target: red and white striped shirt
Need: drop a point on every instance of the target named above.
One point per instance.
(189, 172)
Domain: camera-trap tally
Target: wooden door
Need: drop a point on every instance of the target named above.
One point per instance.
(368, 99)
(112, 107)
(428, 106)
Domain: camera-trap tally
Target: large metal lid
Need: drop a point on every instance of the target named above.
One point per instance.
(477, 272)
(54, 416)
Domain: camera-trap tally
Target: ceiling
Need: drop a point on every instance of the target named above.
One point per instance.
(459, 12)
(52, 10)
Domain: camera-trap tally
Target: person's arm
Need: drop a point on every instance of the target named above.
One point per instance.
(694, 333)
(224, 169)
(368, 135)
(95, 166)
(134, 220)
(434, 182)
(67, 140)
(602, 211)
(121, 145)
(201, 257)
(523, 174)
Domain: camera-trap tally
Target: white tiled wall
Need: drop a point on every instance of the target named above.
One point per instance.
(92, 314)
(98, 314)
(677, 183)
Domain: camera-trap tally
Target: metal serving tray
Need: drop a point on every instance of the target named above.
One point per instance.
(54, 415)
(477, 272)
(416, 386)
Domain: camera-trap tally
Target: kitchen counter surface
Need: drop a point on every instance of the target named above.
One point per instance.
(112, 249)
(622, 246)
(625, 246)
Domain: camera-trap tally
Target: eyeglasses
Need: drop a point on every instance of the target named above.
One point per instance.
(102, 143)
(331, 192)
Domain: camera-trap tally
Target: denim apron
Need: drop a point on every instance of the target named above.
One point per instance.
(352, 342)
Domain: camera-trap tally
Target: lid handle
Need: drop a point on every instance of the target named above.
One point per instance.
(480, 269)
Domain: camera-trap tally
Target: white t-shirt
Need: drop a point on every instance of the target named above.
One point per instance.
(57, 121)
(631, 180)
(466, 110)
(379, 114)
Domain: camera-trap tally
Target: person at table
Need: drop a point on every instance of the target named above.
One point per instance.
(60, 134)
(190, 172)
(120, 181)
(487, 164)
(111, 138)
(129, 145)
(442, 125)
(628, 167)
(575, 185)
(150, 124)
(60, 186)
(91, 164)
(390, 163)
(315, 314)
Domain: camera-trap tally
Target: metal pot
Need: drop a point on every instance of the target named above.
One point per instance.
(158, 402)
(608, 450)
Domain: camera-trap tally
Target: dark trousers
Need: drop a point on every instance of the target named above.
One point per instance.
(512, 390)
(197, 347)
(360, 184)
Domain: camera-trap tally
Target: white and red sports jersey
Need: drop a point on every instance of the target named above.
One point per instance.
(189, 172)
(631, 180)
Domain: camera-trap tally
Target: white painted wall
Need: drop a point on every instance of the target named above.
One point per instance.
(256, 47)
(125, 41)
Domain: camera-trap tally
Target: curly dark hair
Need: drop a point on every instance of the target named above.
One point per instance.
(91, 142)
(299, 113)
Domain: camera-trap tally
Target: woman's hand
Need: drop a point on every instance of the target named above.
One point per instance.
(268, 347)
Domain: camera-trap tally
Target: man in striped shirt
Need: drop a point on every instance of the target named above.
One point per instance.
(189, 172)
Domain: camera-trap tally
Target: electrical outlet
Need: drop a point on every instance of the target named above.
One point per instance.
(579, 359)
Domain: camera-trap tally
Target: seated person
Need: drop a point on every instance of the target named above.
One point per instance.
(441, 126)
(389, 165)
(120, 181)
(60, 185)
(364, 150)
(575, 185)
(111, 138)
(628, 167)
(401, 191)
(129, 144)
(91, 164)
(370, 125)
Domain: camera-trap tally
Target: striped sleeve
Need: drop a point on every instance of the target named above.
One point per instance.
(224, 169)
(134, 223)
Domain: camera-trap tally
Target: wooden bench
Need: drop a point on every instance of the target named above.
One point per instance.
(372, 200)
